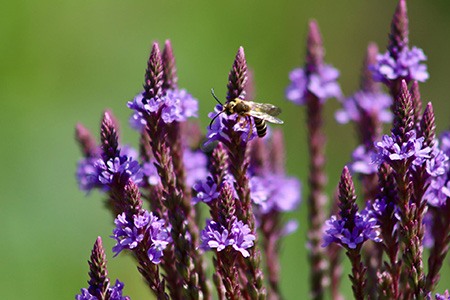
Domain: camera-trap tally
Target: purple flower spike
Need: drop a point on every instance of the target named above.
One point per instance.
(315, 78)
(353, 228)
(400, 62)
(99, 287)
(115, 293)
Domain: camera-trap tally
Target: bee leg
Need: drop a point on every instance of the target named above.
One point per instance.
(250, 129)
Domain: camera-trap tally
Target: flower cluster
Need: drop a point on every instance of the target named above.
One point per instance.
(407, 65)
(99, 285)
(175, 106)
(216, 236)
(115, 293)
(95, 172)
(351, 234)
(389, 149)
(143, 228)
(322, 83)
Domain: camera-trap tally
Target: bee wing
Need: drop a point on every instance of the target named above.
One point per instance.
(265, 117)
(267, 108)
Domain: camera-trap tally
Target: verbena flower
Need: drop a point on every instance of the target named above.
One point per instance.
(87, 174)
(115, 293)
(205, 191)
(129, 234)
(176, 105)
(216, 236)
(407, 66)
(389, 150)
(323, 84)
(362, 104)
(119, 169)
(365, 228)
(94, 172)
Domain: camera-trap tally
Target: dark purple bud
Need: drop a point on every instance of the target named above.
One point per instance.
(403, 114)
(417, 101)
(132, 198)
(99, 281)
(86, 141)
(170, 78)
(154, 74)
(237, 78)
(226, 206)
(368, 84)
(219, 164)
(109, 137)
(428, 126)
(347, 196)
(314, 48)
(398, 38)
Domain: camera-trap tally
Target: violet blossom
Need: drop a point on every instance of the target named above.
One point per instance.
(216, 236)
(322, 83)
(407, 66)
(128, 234)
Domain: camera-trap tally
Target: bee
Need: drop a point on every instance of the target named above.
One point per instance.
(260, 112)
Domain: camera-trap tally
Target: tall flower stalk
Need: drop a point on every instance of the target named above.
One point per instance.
(311, 86)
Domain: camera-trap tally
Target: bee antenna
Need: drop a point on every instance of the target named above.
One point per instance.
(215, 117)
(214, 95)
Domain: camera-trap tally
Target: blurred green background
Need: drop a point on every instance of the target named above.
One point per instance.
(63, 62)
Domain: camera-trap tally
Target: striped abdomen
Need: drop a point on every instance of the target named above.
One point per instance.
(261, 127)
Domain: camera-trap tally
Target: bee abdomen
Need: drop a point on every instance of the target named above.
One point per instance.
(261, 127)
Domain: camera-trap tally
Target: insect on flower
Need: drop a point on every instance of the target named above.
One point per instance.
(260, 112)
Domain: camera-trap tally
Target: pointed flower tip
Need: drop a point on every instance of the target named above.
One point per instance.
(401, 10)
(241, 52)
(99, 242)
(155, 47)
(314, 36)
